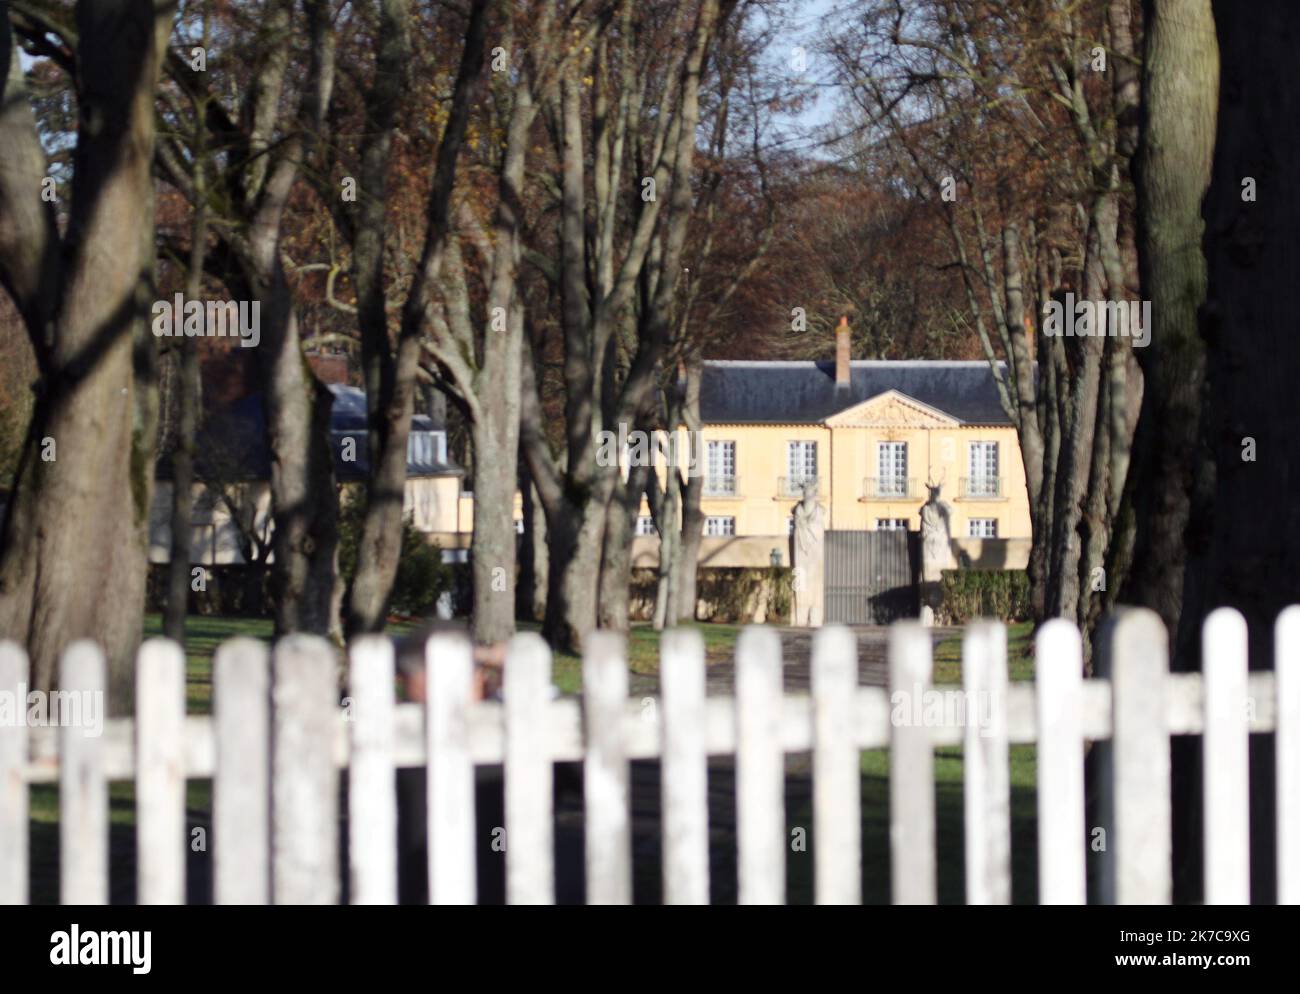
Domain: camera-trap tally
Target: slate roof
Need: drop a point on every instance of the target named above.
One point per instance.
(232, 443)
(805, 393)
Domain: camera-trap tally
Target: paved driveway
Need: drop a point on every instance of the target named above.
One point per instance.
(796, 645)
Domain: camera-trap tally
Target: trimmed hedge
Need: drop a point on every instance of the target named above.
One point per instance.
(724, 594)
(234, 589)
(969, 594)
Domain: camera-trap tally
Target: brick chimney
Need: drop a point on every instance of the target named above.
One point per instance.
(843, 353)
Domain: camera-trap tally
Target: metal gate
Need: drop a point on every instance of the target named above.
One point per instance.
(871, 576)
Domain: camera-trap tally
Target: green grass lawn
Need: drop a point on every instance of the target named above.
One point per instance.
(1020, 656)
(643, 652)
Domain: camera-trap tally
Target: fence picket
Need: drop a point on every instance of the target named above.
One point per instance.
(449, 668)
(83, 789)
(986, 765)
(760, 768)
(1135, 642)
(837, 769)
(1287, 665)
(160, 772)
(1062, 830)
(241, 788)
(14, 829)
(606, 773)
(275, 747)
(372, 795)
(529, 774)
(911, 768)
(304, 780)
(685, 770)
(1227, 759)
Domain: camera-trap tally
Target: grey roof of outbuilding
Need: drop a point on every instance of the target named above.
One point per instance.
(805, 393)
(232, 442)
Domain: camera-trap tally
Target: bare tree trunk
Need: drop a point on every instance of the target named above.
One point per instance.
(670, 541)
(391, 378)
(75, 537)
(616, 559)
(531, 595)
(692, 494)
(188, 398)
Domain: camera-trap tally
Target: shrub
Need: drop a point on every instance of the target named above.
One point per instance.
(422, 576)
(734, 594)
(969, 594)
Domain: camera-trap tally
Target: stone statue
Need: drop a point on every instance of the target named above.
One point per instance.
(809, 560)
(936, 550)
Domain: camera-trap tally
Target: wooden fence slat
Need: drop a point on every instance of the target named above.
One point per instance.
(685, 770)
(606, 773)
(449, 668)
(1226, 751)
(1062, 829)
(304, 779)
(1287, 744)
(837, 769)
(14, 829)
(529, 775)
(1135, 642)
(83, 789)
(372, 783)
(161, 839)
(760, 768)
(911, 768)
(986, 765)
(241, 786)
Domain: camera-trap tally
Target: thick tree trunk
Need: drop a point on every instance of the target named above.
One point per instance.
(1172, 172)
(1244, 529)
(493, 552)
(74, 555)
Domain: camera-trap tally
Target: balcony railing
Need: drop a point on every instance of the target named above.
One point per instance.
(980, 488)
(793, 486)
(888, 488)
(721, 486)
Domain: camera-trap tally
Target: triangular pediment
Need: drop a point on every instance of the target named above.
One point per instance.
(892, 409)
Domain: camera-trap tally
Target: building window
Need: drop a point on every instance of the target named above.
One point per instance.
(420, 447)
(716, 525)
(891, 469)
(720, 477)
(983, 528)
(983, 466)
(801, 468)
(645, 525)
(891, 524)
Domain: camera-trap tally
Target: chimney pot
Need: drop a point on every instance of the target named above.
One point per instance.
(843, 352)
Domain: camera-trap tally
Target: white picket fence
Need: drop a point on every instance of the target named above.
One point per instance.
(279, 739)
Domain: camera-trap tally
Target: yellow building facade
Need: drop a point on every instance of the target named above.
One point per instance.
(871, 466)
(872, 438)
